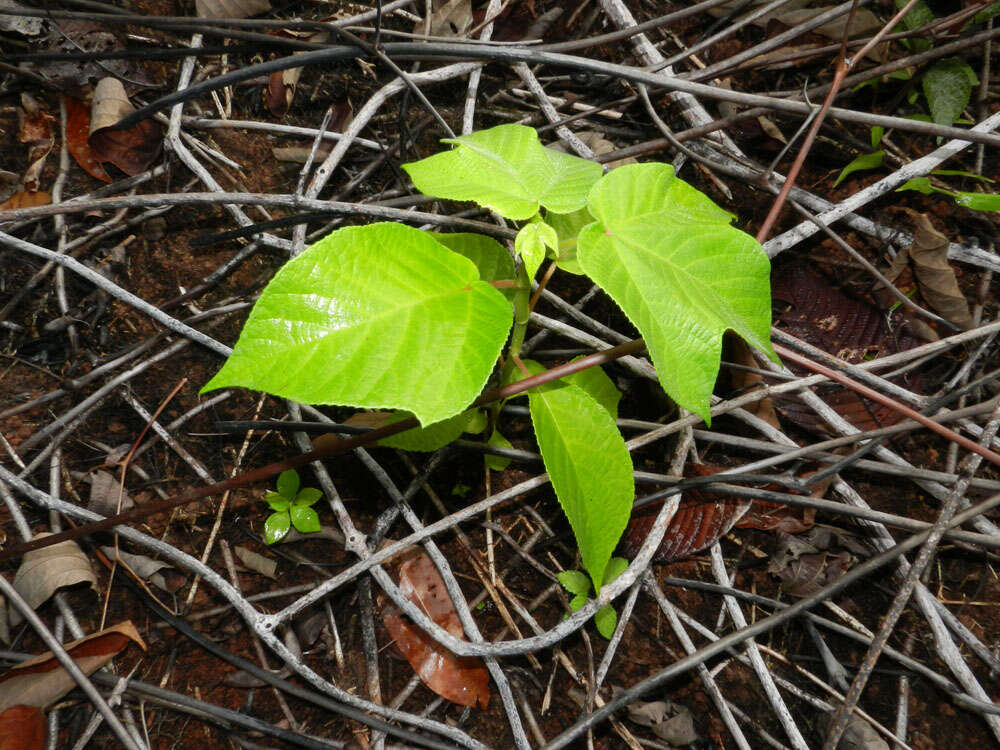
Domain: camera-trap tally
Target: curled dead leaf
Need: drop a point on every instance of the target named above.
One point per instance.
(107, 496)
(935, 276)
(131, 150)
(41, 681)
(791, 14)
(78, 138)
(745, 380)
(282, 83)
(44, 571)
(461, 680)
(256, 562)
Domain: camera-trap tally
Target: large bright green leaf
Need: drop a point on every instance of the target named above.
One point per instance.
(506, 169)
(381, 316)
(599, 386)
(590, 468)
(491, 258)
(948, 86)
(670, 259)
(431, 437)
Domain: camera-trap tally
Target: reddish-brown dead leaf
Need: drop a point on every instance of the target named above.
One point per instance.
(461, 680)
(132, 150)
(705, 516)
(766, 516)
(281, 84)
(702, 519)
(22, 728)
(41, 681)
(26, 199)
(35, 124)
(35, 129)
(808, 307)
(78, 135)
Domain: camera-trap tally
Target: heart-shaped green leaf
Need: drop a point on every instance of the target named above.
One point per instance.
(670, 259)
(948, 86)
(589, 465)
(381, 316)
(506, 169)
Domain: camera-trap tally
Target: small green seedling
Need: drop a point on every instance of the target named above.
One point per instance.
(386, 316)
(578, 584)
(291, 508)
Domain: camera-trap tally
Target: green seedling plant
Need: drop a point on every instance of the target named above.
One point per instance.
(385, 316)
(578, 584)
(291, 506)
(968, 199)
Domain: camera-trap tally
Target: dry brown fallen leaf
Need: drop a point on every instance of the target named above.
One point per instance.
(936, 281)
(158, 573)
(461, 680)
(701, 519)
(41, 680)
(805, 563)
(256, 562)
(808, 307)
(26, 199)
(132, 150)
(34, 129)
(230, 8)
(22, 728)
(298, 154)
(107, 496)
(44, 571)
(281, 84)
(451, 18)
(704, 517)
(78, 138)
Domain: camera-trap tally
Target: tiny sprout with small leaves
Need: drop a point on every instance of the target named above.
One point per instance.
(578, 584)
(291, 508)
